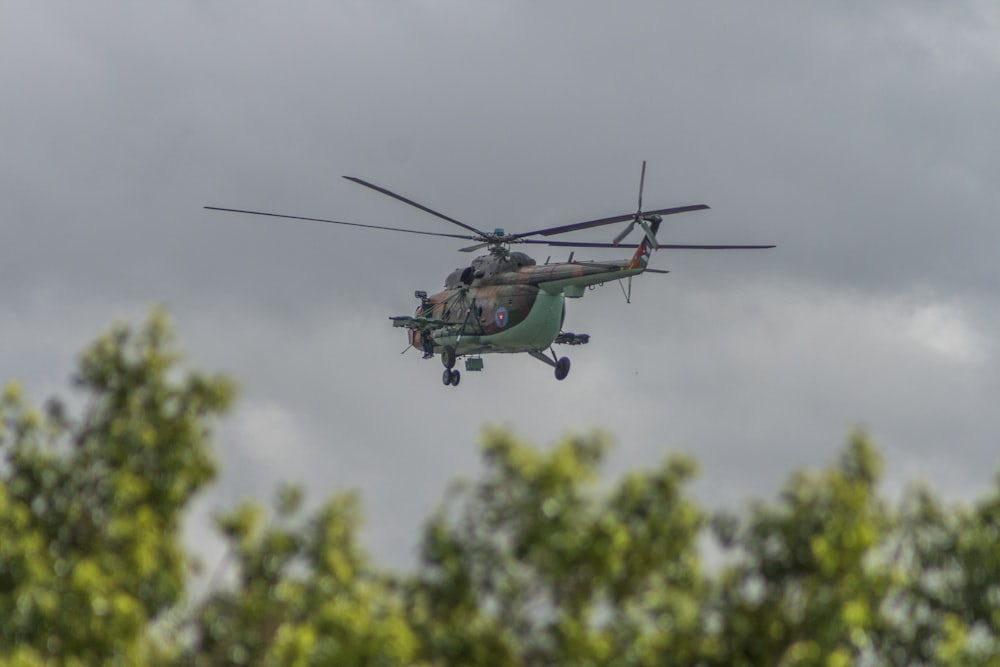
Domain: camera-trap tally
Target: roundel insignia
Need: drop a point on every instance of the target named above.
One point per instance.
(500, 317)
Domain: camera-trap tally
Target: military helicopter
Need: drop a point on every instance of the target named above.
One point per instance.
(503, 301)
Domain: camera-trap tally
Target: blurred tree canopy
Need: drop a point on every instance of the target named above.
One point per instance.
(537, 562)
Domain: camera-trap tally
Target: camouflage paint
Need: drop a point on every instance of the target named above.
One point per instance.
(510, 304)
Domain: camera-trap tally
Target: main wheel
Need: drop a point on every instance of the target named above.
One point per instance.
(446, 377)
(448, 357)
(562, 368)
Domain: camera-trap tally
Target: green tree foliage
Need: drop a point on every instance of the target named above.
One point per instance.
(537, 562)
(534, 565)
(807, 581)
(90, 550)
(304, 595)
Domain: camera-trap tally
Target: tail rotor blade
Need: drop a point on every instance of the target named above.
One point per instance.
(626, 232)
(642, 182)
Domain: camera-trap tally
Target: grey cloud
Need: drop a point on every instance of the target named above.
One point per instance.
(858, 137)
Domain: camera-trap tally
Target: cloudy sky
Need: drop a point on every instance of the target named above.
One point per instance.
(860, 137)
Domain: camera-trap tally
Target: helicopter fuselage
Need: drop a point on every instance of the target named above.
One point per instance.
(508, 303)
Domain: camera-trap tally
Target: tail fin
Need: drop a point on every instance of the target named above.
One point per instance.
(641, 257)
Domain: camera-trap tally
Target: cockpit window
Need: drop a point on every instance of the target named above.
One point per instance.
(520, 259)
(453, 278)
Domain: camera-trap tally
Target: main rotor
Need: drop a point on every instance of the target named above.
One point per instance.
(498, 241)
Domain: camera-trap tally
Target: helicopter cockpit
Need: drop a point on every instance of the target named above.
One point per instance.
(487, 266)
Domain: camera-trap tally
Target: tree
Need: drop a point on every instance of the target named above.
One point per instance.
(808, 578)
(90, 509)
(304, 594)
(532, 565)
(536, 562)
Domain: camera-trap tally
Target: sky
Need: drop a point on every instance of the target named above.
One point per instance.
(859, 137)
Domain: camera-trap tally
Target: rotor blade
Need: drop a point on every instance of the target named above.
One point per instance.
(642, 181)
(562, 229)
(392, 194)
(621, 237)
(685, 246)
(473, 248)
(672, 246)
(649, 234)
(338, 222)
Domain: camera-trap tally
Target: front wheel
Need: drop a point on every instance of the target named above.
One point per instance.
(446, 377)
(562, 368)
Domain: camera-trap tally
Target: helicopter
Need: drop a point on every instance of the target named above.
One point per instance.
(504, 301)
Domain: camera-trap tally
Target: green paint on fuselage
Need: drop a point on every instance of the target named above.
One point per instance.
(536, 331)
(511, 304)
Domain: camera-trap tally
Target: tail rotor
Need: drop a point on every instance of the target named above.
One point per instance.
(640, 219)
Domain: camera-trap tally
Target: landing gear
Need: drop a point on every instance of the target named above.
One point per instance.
(451, 377)
(561, 365)
(448, 357)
